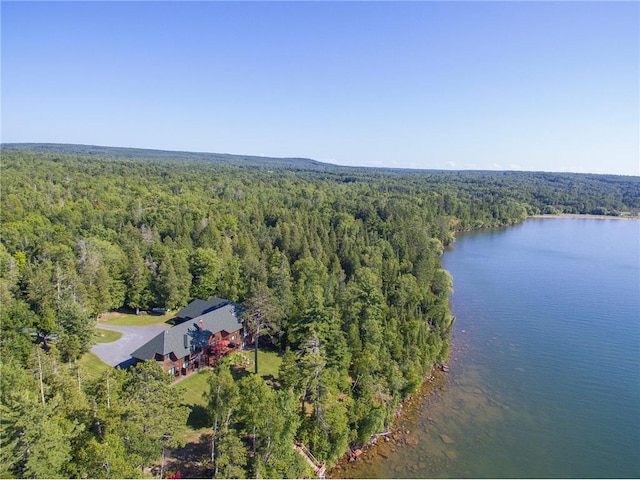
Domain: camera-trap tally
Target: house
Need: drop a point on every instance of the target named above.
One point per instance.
(199, 307)
(208, 329)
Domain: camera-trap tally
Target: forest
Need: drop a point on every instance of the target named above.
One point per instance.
(344, 264)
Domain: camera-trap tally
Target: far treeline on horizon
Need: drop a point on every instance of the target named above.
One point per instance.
(338, 270)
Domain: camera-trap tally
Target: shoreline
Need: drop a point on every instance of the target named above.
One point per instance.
(586, 215)
(400, 434)
(373, 458)
(545, 216)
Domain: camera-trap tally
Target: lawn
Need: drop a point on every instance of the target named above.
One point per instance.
(106, 336)
(195, 386)
(91, 367)
(268, 363)
(131, 320)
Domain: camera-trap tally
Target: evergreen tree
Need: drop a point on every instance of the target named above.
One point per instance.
(152, 419)
(138, 280)
(261, 316)
(223, 401)
(76, 327)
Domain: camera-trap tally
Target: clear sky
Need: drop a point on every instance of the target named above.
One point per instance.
(485, 85)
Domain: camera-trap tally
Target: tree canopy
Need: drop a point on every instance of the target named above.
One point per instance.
(339, 269)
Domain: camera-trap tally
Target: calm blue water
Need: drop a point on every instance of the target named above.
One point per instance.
(545, 363)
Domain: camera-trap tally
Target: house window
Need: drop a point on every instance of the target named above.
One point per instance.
(172, 371)
(233, 337)
(185, 364)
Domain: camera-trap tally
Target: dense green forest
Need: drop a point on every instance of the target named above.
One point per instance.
(344, 263)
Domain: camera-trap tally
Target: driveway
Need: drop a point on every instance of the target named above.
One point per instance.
(118, 353)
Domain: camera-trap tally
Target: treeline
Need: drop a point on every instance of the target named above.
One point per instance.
(345, 262)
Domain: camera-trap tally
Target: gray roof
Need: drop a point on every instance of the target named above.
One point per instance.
(224, 318)
(200, 307)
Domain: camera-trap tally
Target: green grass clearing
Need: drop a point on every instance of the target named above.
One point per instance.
(193, 393)
(131, 320)
(268, 363)
(194, 388)
(106, 336)
(91, 367)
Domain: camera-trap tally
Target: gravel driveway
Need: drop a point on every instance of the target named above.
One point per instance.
(118, 353)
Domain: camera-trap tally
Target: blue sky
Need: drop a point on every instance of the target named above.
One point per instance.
(548, 86)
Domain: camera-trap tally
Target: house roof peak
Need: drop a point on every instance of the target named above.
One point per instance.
(192, 334)
(199, 307)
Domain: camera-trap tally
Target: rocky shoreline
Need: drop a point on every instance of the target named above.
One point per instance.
(401, 434)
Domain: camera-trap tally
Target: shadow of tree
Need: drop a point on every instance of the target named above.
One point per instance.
(190, 461)
(271, 381)
(129, 362)
(239, 372)
(199, 338)
(198, 417)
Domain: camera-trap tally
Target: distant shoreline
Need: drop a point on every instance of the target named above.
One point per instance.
(590, 216)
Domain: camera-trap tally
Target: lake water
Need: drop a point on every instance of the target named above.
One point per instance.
(544, 374)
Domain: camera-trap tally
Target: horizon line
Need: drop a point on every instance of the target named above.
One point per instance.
(332, 163)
